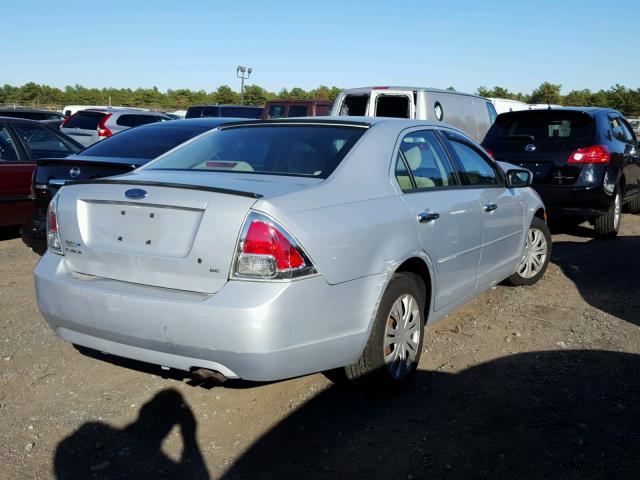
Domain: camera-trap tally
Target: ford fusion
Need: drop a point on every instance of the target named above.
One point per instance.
(268, 250)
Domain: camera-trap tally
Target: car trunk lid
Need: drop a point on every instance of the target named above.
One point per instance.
(171, 235)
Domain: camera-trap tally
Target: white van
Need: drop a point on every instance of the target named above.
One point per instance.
(470, 113)
(504, 105)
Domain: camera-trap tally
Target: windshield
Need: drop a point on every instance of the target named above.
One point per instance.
(306, 150)
(145, 142)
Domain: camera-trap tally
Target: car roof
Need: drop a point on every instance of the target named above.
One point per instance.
(6, 118)
(29, 110)
(121, 110)
(588, 110)
(350, 121)
(224, 105)
(420, 89)
(300, 100)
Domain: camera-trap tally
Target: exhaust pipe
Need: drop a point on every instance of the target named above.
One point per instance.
(204, 374)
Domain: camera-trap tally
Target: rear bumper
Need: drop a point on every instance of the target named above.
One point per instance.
(250, 330)
(576, 201)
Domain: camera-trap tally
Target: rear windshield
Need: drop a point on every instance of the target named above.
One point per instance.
(542, 125)
(147, 142)
(85, 120)
(305, 150)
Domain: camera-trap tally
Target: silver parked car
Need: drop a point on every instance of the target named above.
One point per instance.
(267, 250)
(91, 125)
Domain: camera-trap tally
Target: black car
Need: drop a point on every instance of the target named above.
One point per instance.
(115, 155)
(53, 119)
(585, 161)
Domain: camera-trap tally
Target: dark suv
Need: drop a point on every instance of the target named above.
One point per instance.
(585, 161)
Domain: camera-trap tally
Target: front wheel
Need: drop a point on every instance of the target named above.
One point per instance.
(536, 255)
(391, 355)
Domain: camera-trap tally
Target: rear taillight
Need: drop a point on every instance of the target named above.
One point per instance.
(53, 234)
(489, 152)
(66, 120)
(593, 154)
(103, 131)
(267, 251)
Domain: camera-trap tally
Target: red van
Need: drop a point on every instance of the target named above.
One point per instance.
(22, 142)
(296, 108)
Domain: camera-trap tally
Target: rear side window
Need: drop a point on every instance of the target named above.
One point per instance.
(313, 151)
(240, 112)
(396, 106)
(42, 142)
(144, 143)
(354, 105)
(422, 163)
(8, 150)
(298, 110)
(145, 119)
(617, 129)
(542, 125)
(85, 120)
(125, 121)
(475, 169)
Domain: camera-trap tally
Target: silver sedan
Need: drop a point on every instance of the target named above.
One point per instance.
(267, 250)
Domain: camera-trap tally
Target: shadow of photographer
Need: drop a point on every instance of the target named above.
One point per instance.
(97, 450)
(564, 414)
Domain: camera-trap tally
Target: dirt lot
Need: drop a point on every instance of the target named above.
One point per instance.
(530, 382)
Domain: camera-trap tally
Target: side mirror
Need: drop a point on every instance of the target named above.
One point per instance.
(518, 178)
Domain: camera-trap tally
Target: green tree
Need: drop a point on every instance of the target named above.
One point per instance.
(546, 93)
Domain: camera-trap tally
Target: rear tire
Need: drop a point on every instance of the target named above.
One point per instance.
(608, 225)
(391, 355)
(536, 255)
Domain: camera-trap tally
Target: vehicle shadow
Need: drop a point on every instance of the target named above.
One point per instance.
(97, 450)
(606, 272)
(564, 414)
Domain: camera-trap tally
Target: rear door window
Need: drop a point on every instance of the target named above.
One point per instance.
(617, 129)
(144, 120)
(8, 150)
(303, 150)
(422, 163)
(355, 105)
(475, 169)
(298, 111)
(85, 120)
(397, 106)
(42, 142)
(276, 111)
(491, 110)
(125, 121)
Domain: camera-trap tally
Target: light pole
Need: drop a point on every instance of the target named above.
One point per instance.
(240, 73)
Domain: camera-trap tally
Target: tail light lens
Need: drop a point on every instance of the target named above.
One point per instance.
(53, 234)
(103, 131)
(266, 251)
(593, 154)
(489, 152)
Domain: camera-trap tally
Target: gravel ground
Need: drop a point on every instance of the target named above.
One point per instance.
(526, 382)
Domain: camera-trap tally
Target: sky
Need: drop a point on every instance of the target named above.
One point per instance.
(198, 44)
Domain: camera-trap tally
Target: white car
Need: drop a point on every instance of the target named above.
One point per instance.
(267, 250)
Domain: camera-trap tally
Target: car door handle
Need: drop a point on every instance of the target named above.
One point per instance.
(490, 207)
(426, 217)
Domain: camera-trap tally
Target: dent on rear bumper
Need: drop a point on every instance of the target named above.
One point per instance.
(250, 330)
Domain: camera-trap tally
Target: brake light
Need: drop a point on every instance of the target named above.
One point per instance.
(103, 131)
(593, 154)
(53, 234)
(66, 120)
(489, 152)
(267, 251)
(381, 88)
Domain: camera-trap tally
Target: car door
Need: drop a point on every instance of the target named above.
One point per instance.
(631, 170)
(15, 179)
(502, 209)
(448, 218)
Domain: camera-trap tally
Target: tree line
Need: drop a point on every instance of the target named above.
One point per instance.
(624, 99)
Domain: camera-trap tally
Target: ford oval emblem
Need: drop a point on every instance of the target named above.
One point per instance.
(530, 148)
(135, 193)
